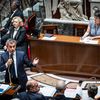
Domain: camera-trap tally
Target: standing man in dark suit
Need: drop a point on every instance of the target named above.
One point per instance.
(15, 11)
(13, 62)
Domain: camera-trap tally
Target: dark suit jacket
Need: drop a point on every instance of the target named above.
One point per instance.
(60, 97)
(30, 96)
(21, 59)
(19, 13)
(20, 38)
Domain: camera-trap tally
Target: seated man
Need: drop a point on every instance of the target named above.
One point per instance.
(59, 95)
(32, 92)
(92, 91)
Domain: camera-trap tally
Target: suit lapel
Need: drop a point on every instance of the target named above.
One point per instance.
(7, 57)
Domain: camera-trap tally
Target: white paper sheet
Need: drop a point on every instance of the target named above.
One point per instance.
(48, 91)
(87, 40)
(49, 38)
(4, 87)
(70, 93)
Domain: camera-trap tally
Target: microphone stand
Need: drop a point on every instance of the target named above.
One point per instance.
(11, 55)
(9, 77)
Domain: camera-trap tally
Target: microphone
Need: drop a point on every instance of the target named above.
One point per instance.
(11, 57)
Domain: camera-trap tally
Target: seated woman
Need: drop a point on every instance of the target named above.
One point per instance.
(93, 30)
(16, 32)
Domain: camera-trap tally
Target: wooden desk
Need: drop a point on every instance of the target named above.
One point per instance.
(66, 55)
(14, 89)
(8, 95)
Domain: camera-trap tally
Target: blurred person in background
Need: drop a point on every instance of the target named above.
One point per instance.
(59, 95)
(15, 11)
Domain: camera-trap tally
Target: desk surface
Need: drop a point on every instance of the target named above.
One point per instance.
(67, 55)
(67, 39)
(14, 89)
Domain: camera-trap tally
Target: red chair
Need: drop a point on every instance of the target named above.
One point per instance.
(31, 23)
(30, 27)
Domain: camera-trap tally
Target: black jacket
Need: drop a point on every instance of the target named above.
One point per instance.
(30, 96)
(20, 38)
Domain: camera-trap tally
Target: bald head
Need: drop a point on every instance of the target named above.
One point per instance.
(60, 84)
(33, 86)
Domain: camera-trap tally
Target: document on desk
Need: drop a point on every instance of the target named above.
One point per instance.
(49, 38)
(87, 40)
(70, 93)
(4, 87)
(48, 91)
(98, 94)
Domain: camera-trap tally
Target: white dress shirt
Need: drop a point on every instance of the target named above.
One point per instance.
(15, 63)
(15, 32)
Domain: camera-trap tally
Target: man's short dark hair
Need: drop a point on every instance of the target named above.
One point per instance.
(10, 41)
(97, 13)
(92, 90)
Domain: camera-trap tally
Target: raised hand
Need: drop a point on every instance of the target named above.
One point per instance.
(35, 61)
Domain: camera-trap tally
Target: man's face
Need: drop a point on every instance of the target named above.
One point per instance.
(35, 87)
(13, 6)
(11, 47)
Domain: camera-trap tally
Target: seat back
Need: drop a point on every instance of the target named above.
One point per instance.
(31, 23)
(50, 28)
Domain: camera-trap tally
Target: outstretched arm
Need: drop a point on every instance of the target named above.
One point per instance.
(86, 33)
(33, 63)
(95, 37)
